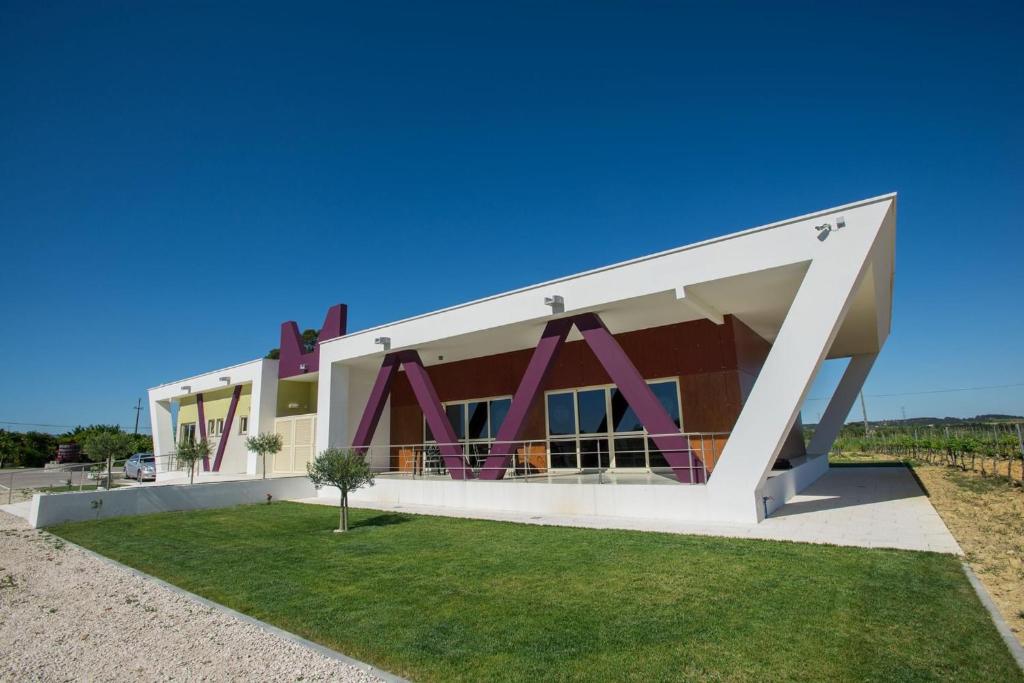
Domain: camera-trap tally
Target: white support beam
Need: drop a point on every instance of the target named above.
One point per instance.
(806, 335)
(841, 403)
(332, 407)
(162, 430)
(703, 308)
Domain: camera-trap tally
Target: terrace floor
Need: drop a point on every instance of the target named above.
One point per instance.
(871, 507)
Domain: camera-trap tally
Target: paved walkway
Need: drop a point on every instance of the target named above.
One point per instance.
(871, 507)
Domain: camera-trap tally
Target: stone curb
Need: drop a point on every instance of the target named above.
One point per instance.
(287, 635)
(1004, 629)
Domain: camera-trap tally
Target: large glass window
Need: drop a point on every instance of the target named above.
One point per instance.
(596, 427)
(476, 424)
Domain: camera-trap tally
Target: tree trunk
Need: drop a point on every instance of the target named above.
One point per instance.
(110, 471)
(344, 511)
(191, 473)
(263, 457)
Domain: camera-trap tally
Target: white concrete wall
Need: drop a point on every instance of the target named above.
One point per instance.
(782, 485)
(55, 508)
(260, 373)
(681, 503)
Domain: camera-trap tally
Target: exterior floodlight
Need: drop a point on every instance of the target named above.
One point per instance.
(302, 367)
(383, 341)
(556, 302)
(226, 380)
(187, 389)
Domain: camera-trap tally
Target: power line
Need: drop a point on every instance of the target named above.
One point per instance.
(934, 391)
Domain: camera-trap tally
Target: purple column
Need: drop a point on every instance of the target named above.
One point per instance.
(426, 397)
(433, 412)
(375, 404)
(202, 427)
(227, 427)
(652, 415)
(543, 358)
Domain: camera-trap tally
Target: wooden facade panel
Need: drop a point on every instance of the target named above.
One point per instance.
(716, 366)
(711, 401)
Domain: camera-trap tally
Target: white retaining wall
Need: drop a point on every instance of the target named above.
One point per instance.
(55, 508)
(685, 503)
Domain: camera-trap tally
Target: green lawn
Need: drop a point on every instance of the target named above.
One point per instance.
(438, 599)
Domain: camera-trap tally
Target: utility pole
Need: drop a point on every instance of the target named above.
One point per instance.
(864, 410)
(903, 409)
(138, 411)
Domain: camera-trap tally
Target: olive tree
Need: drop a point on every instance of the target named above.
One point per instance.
(343, 468)
(264, 445)
(108, 446)
(190, 452)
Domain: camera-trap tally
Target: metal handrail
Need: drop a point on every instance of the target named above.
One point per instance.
(9, 483)
(427, 459)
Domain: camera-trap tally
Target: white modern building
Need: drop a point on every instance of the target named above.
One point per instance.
(667, 386)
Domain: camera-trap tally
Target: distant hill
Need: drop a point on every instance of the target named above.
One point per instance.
(939, 421)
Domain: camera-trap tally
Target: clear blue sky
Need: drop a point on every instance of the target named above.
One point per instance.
(177, 180)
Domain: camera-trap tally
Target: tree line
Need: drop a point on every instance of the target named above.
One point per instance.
(35, 449)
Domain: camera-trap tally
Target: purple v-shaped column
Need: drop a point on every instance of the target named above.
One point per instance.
(430, 404)
(652, 415)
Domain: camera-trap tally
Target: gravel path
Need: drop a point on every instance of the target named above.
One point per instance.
(65, 615)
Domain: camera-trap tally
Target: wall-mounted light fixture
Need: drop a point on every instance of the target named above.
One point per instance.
(302, 367)
(187, 389)
(226, 380)
(825, 229)
(383, 341)
(556, 302)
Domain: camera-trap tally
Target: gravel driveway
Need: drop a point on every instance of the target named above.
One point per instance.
(65, 615)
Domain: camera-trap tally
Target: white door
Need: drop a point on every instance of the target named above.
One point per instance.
(297, 435)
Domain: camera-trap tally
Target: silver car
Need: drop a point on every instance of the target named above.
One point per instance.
(140, 466)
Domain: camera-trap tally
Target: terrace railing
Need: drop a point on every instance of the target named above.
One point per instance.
(531, 459)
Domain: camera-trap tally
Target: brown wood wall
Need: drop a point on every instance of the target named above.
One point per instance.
(716, 366)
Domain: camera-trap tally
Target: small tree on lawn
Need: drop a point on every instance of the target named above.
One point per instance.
(190, 452)
(265, 445)
(345, 469)
(108, 446)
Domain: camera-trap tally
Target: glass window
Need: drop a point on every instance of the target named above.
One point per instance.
(220, 426)
(499, 409)
(477, 422)
(623, 417)
(457, 416)
(243, 424)
(669, 398)
(607, 429)
(561, 414)
(629, 452)
(593, 411)
(211, 426)
(563, 454)
(594, 453)
(656, 457)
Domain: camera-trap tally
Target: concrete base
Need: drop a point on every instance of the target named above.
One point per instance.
(868, 507)
(49, 509)
(627, 496)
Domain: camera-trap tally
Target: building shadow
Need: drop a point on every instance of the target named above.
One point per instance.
(849, 487)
